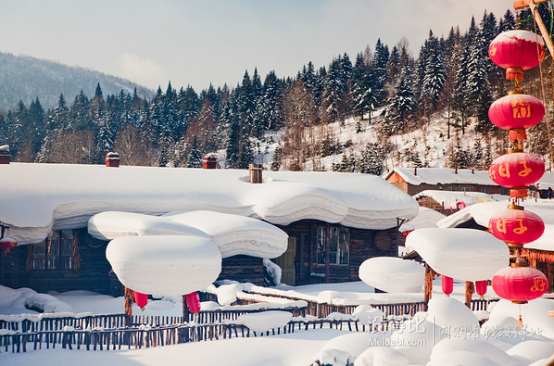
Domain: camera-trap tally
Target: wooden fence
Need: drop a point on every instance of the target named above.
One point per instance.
(145, 337)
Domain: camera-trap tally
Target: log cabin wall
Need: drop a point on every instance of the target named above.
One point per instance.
(243, 268)
(309, 269)
(412, 189)
(24, 268)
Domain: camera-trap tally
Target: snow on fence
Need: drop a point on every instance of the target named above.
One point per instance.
(145, 336)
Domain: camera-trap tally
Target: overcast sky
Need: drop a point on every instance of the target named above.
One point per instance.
(201, 41)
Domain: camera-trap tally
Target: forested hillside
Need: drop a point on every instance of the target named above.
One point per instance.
(400, 108)
(26, 78)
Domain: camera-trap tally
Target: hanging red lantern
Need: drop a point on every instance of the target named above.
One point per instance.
(447, 285)
(519, 284)
(516, 171)
(481, 288)
(517, 51)
(516, 112)
(193, 302)
(141, 300)
(8, 243)
(516, 226)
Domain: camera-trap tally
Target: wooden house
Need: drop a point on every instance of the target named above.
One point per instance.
(416, 180)
(334, 220)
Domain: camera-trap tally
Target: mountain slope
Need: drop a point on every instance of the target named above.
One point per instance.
(26, 78)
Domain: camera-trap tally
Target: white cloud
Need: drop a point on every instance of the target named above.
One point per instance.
(140, 70)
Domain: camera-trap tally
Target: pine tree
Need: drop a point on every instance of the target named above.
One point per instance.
(400, 107)
(434, 75)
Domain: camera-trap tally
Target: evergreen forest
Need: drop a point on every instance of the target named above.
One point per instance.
(383, 87)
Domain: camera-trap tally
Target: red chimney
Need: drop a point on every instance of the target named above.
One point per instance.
(112, 160)
(4, 154)
(209, 161)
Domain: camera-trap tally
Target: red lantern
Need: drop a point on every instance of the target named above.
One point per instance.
(519, 284)
(141, 300)
(8, 243)
(517, 51)
(516, 171)
(516, 226)
(516, 112)
(447, 285)
(481, 288)
(193, 302)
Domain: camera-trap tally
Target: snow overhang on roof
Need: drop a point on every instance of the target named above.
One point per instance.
(40, 197)
(482, 212)
(443, 176)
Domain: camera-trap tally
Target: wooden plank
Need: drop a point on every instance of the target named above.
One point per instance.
(522, 4)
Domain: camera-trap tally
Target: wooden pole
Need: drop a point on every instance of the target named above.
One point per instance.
(129, 300)
(428, 289)
(470, 289)
(522, 4)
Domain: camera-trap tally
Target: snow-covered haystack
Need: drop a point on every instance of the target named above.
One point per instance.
(393, 275)
(233, 234)
(165, 265)
(464, 254)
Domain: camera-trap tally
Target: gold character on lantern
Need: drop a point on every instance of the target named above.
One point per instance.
(521, 109)
(492, 50)
(501, 226)
(521, 229)
(539, 284)
(526, 171)
(504, 170)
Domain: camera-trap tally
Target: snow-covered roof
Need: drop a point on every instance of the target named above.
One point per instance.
(232, 234)
(38, 197)
(482, 213)
(427, 218)
(442, 176)
(463, 254)
(451, 198)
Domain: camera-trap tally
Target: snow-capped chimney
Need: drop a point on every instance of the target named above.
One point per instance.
(255, 173)
(4, 154)
(112, 160)
(209, 161)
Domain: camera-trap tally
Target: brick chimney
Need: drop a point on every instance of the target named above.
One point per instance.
(209, 161)
(4, 154)
(256, 173)
(112, 160)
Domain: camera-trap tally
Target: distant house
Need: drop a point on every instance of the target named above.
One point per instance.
(540, 253)
(334, 220)
(416, 180)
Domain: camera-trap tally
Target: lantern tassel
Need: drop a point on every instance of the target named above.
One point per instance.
(520, 321)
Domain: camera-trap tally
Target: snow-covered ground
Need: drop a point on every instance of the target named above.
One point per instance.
(449, 328)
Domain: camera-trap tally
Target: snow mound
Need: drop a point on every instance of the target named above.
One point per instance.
(446, 348)
(369, 315)
(463, 358)
(232, 234)
(264, 321)
(166, 265)
(416, 339)
(344, 349)
(530, 351)
(381, 356)
(464, 254)
(454, 316)
(534, 315)
(392, 275)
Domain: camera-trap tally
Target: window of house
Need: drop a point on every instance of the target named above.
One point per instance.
(485, 190)
(466, 189)
(337, 240)
(55, 252)
(505, 191)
